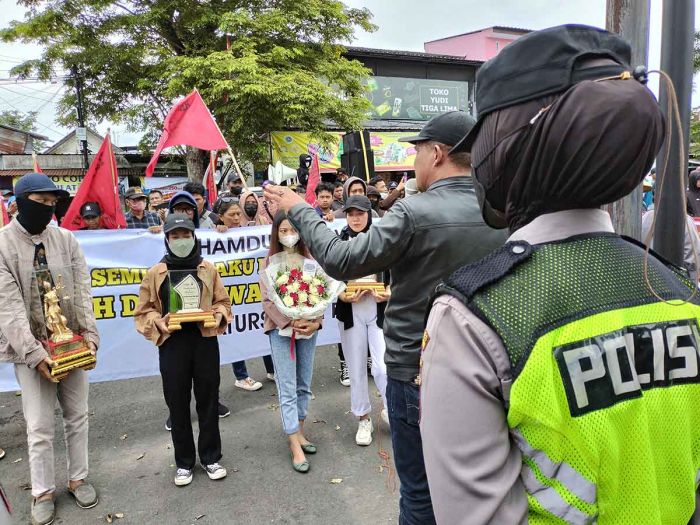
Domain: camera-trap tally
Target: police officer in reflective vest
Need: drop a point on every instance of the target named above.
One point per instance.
(559, 384)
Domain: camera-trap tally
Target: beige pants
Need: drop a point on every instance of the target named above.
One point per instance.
(38, 404)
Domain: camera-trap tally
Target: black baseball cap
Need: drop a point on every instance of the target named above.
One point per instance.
(90, 209)
(357, 202)
(448, 128)
(178, 220)
(135, 192)
(37, 183)
(544, 63)
(233, 177)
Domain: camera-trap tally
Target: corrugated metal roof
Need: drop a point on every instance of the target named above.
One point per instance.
(411, 55)
(35, 135)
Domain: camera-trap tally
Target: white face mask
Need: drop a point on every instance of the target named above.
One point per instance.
(290, 241)
(181, 247)
(384, 194)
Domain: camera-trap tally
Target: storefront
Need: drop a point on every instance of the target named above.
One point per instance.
(405, 90)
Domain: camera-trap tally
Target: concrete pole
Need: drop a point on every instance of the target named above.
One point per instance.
(629, 19)
(676, 60)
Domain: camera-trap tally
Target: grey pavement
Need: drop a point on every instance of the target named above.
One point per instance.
(132, 465)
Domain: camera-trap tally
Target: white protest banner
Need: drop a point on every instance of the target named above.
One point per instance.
(119, 259)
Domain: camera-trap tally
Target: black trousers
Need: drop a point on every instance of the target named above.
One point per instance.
(188, 362)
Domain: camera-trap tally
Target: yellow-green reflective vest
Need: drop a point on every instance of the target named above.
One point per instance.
(605, 402)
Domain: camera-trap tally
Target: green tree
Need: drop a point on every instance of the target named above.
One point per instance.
(284, 68)
(23, 121)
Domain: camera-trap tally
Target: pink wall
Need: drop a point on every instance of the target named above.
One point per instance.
(480, 45)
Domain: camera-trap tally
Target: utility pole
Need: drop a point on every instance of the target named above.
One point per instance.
(81, 116)
(676, 60)
(630, 20)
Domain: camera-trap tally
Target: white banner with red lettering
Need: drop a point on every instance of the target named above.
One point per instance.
(119, 259)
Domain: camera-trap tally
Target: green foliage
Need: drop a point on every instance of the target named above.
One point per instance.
(696, 52)
(24, 122)
(284, 68)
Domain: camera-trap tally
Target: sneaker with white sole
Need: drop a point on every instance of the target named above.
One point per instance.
(270, 377)
(249, 384)
(364, 432)
(215, 471)
(223, 410)
(385, 416)
(183, 477)
(344, 374)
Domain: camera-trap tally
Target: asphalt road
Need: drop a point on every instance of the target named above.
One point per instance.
(131, 461)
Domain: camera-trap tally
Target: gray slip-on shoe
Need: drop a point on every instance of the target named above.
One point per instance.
(43, 512)
(85, 495)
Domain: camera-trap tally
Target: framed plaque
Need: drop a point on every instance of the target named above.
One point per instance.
(365, 283)
(185, 301)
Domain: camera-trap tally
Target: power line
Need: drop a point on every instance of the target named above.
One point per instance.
(23, 95)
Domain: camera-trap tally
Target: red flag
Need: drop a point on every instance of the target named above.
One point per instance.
(314, 180)
(189, 123)
(209, 182)
(4, 216)
(36, 167)
(99, 185)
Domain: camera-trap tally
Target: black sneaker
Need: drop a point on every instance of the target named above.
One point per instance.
(169, 424)
(223, 410)
(344, 375)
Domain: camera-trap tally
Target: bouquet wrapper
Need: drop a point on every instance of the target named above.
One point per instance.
(285, 262)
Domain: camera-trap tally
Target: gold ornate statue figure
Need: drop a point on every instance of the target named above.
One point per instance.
(55, 320)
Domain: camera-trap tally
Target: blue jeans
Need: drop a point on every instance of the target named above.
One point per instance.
(241, 371)
(293, 378)
(415, 507)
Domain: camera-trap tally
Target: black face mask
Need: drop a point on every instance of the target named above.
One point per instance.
(236, 191)
(34, 216)
(251, 209)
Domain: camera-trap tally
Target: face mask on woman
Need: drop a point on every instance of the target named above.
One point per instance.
(290, 241)
(181, 247)
(251, 209)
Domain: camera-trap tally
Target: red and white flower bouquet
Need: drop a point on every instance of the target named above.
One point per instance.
(299, 288)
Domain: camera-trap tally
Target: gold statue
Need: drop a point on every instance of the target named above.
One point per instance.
(56, 322)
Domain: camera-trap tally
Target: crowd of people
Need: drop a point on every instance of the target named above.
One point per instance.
(551, 375)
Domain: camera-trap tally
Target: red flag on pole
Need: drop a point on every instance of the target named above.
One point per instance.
(100, 185)
(35, 161)
(4, 216)
(313, 182)
(190, 123)
(209, 182)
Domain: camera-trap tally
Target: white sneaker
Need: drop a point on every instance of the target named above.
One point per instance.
(271, 377)
(385, 416)
(364, 432)
(249, 384)
(183, 477)
(215, 471)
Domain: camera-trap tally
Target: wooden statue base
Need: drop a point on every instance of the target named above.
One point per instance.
(175, 320)
(69, 355)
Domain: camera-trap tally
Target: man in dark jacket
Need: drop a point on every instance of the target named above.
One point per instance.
(421, 240)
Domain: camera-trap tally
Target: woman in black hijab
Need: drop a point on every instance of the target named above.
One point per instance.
(360, 316)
